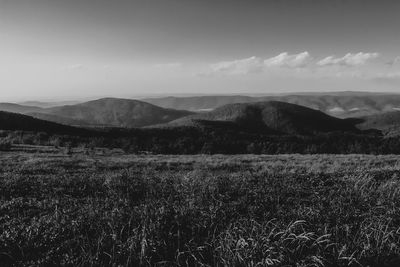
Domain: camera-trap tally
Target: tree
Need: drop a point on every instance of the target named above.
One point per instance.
(253, 148)
(208, 148)
(5, 145)
(68, 148)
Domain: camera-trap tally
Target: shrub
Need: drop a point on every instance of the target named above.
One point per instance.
(5, 145)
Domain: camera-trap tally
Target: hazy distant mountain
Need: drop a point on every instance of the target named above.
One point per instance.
(111, 112)
(19, 122)
(49, 104)
(16, 108)
(341, 104)
(271, 116)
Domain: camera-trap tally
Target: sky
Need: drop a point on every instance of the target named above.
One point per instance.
(76, 49)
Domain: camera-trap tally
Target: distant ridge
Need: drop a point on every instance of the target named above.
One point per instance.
(270, 117)
(128, 113)
(111, 112)
(49, 104)
(338, 104)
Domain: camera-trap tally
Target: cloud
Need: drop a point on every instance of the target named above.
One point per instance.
(290, 61)
(241, 66)
(348, 60)
(258, 65)
(300, 63)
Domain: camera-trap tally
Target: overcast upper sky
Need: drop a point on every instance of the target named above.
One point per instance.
(69, 49)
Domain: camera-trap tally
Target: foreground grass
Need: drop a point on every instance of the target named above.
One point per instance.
(288, 210)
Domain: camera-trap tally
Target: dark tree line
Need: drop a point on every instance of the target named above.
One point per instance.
(211, 141)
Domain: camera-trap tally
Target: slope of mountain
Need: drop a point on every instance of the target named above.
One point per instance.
(57, 119)
(18, 122)
(388, 123)
(199, 103)
(111, 112)
(16, 108)
(271, 116)
(343, 105)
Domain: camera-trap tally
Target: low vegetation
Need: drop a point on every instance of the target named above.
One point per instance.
(289, 210)
(214, 139)
(5, 145)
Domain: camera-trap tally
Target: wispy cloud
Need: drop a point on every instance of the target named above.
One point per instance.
(349, 59)
(290, 61)
(257, 65)
(296, 64)
(241, 66)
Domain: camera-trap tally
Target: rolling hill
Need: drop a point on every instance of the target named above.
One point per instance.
(200, 103)
(58, 119)
(376, 110)
(388, 123)
(340, 104)
(18, 122)
(270, 117)
(16, 108)
(111, 112)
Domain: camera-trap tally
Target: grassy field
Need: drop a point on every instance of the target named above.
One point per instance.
(126, 210)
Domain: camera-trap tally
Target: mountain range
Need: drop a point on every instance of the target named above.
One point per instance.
(284, 114)
(106, 112)
(341, 104)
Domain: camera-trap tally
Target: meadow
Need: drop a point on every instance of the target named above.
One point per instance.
(200, 210)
